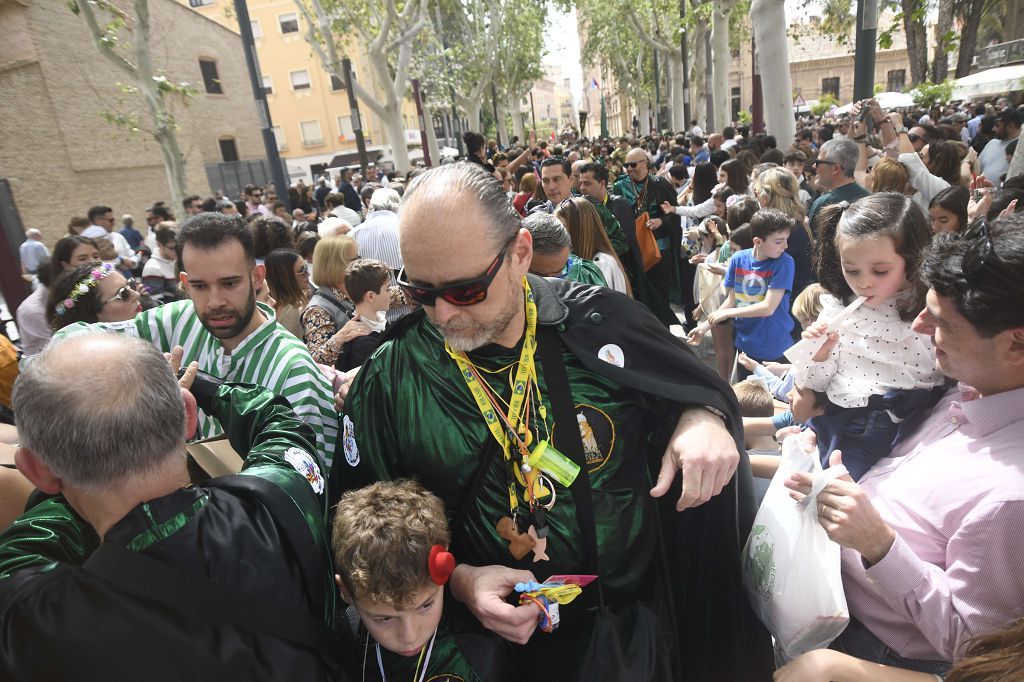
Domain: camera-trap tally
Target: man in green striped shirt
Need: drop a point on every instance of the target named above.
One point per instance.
(231, 335)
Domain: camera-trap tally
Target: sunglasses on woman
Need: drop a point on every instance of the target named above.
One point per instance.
(464, 293)
(124, 294)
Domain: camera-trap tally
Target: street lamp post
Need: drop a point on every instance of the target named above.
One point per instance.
(262, 107)
(357, 122)
(864, 58)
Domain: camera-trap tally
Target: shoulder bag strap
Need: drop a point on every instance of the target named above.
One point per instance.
(489, 452)
(549, 352)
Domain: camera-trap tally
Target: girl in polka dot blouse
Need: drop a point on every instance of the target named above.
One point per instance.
(879, 374)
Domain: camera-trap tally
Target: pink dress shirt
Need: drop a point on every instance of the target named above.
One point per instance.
(954, 494)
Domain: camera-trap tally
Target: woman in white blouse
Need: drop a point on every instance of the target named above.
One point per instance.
(590, 241)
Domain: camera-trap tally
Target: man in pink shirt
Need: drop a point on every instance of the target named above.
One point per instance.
(933, 536)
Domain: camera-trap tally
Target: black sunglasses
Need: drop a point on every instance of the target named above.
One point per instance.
(818, 162)
(464, 293)
(632, 164)
(912, 137)
(980, 251)
(124, 294)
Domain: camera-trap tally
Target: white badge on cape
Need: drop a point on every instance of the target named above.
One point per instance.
(349, 442)
(305, 464)
(612, 354)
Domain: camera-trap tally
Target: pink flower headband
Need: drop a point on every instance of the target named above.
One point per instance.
(82, 288)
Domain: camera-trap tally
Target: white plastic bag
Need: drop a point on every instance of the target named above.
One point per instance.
(791, 569)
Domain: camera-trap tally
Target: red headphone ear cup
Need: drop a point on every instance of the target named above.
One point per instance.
(445, 563)
(441, 564)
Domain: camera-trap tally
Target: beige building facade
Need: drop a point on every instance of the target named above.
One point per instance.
(309, 108)
(59, 154)
(598, 82)
(818, 63)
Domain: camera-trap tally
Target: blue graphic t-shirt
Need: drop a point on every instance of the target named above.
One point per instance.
(762, 338)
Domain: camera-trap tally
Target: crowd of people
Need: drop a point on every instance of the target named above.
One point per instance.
(391, 357)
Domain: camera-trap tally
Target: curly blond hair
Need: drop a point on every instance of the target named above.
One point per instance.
(778, 188)
(382, 539)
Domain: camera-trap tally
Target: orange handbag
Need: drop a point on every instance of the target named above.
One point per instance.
(649, 250)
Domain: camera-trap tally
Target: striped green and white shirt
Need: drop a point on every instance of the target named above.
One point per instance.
(270, 357)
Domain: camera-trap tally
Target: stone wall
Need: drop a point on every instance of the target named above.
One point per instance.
(57, 150)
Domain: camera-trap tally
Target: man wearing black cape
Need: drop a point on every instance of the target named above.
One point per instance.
(460, 397)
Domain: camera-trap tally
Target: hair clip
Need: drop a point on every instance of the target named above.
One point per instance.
(441, 564)
(843, 205)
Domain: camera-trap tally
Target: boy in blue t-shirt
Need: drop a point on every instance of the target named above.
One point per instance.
(758, 282)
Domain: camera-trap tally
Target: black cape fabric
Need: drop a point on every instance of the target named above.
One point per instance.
(720, 637)
(61, 622)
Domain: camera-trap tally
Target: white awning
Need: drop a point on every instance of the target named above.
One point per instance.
(995, 81)
(886, 100)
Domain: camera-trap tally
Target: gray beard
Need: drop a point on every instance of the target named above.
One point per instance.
(468, 339)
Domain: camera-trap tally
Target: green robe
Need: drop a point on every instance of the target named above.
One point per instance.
(614, 231)
(393, 442)
(441, 439)
(410, 414)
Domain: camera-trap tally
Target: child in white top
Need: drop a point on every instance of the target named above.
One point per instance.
(877, 372)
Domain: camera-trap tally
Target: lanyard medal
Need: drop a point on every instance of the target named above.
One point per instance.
(530, 470)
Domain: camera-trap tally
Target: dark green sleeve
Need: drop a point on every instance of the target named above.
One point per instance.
(615, 234)
(371, 443)
(48, 534)
(274, 443)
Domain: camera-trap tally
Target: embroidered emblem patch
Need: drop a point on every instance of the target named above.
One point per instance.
(612, 354)
(305, 464)
(349, 442)
(598, 434)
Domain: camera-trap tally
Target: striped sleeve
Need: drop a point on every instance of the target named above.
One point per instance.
(290, 372)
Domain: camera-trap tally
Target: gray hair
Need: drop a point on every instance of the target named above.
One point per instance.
(465, 177)
(224, 203)
(384, 199)
(548, 232)
(98, 408)
(843, 152)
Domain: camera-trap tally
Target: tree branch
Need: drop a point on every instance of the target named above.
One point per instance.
(329, 57)
(97, 35)
(644, 36)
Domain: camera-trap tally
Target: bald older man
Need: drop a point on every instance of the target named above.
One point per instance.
(127, 571)
(463, 388)
(645, 192)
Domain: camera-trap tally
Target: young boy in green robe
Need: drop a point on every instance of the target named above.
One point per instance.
(390, 545)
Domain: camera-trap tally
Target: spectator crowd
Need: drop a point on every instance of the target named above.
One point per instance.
(380, 363)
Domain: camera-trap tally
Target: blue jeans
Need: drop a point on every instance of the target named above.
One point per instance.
(857, 641)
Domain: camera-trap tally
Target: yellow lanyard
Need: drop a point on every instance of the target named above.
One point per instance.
(526, 373)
